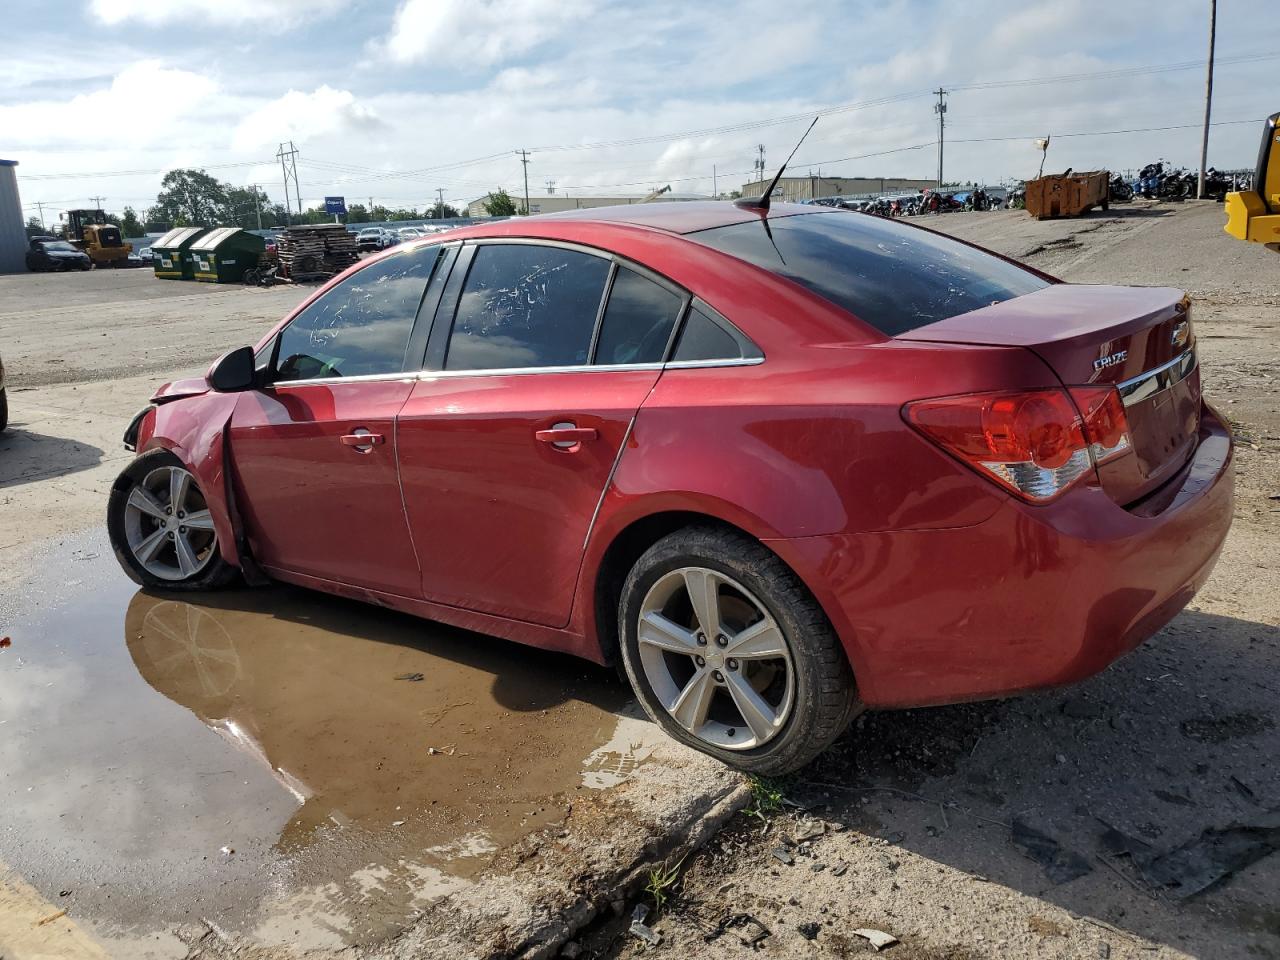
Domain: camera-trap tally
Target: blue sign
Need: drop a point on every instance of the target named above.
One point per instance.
(335, 204)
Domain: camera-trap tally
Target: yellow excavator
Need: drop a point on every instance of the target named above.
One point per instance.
(1254, 214)
(90, 231)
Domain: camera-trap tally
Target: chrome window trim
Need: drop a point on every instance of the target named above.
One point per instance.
(521, 371)
(1158, 379)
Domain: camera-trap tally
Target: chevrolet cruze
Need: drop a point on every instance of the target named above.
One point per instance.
(780, 464)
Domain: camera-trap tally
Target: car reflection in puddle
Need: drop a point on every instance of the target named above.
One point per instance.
(350, 764)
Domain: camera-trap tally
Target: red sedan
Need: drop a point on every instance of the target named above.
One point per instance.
(781, 464)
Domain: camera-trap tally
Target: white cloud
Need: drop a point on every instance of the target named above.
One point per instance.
(115, 111)
(477, 33)
(302, 116)
(275, 15)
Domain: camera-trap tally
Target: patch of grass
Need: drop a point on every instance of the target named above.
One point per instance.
(661, 881)
(766, 797)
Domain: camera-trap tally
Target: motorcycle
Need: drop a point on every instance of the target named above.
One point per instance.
(1120, 191)
(263, 275)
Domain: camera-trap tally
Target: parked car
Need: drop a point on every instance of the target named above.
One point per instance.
(375, 238)
(783, 466)
(406, 234)
(145, 255)
(50, 253)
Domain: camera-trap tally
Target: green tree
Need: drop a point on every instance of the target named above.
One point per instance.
(130, 225)
(357, 213)
(500, 204)
(190, 198)
(34, 229)
(441, 211)
(243, 204)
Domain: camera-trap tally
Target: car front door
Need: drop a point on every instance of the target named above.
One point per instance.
(540, 356)
(313, 452)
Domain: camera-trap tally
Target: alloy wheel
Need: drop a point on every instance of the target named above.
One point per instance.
(168, 525)
(716, 658)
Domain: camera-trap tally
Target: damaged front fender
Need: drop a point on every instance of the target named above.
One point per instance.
(195, 432)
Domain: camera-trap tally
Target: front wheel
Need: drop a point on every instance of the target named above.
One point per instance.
(729, 653)
(161, 529)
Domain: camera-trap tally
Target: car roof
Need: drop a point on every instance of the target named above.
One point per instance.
(683, 216)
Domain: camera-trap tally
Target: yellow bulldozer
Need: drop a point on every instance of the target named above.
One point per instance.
(1254, 214)
(90, 231)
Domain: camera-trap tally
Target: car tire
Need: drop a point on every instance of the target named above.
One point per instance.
(4, 409)
(804, 698)
(140, 515)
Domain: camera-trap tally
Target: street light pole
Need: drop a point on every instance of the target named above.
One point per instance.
(1208, 97)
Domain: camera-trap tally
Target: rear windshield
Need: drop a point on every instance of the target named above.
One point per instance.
(892, 276)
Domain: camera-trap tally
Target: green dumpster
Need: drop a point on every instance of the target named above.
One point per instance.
(224, 253)
(171, 254)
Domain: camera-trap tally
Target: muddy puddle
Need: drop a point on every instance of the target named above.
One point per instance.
(290, 767)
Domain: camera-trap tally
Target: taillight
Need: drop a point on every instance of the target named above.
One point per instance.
(1104, 421)
(1035, 443)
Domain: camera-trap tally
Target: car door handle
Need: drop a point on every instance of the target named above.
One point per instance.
(361, 438)
(566, 435)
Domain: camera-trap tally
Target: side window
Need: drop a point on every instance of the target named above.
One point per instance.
(704, 339)
(637, 321)
(526, 306)
(361, 326)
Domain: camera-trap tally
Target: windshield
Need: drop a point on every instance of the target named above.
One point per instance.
(59, 245)
(890, 275)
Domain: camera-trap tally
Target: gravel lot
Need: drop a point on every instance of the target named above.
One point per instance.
(911, 818)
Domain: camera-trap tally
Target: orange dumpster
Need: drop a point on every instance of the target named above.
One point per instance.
(1068, 195)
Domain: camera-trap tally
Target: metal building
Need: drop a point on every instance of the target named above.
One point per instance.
(812, 187)
(13, 234)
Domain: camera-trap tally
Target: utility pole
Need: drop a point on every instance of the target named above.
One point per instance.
(40, 207)
(284, 171)
(760, 161)
(940, 108)
(1208, 97)
(439, 202)
(524, 159)
(257, 202)
(97, 202)
(293, 165)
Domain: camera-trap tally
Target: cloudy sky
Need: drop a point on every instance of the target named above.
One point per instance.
(392, 99)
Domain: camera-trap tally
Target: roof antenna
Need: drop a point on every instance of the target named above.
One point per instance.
(761, 203)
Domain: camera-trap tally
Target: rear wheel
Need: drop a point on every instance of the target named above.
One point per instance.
(161, 528)
(730, 654)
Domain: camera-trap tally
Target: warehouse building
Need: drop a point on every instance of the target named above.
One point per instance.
(814, 187)
(13, 234)
(555, 203)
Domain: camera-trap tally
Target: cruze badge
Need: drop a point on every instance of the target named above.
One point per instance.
(1110, 360)
(1181, 330)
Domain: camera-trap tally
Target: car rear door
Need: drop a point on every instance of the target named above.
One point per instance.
(314, 451)
(540, 356)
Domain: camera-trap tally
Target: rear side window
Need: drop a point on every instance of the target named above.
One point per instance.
(704, 338)
(892, 276)
(360, 327)
(527, 306)
(637, 321)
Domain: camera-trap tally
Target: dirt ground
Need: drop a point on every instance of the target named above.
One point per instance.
(1113, 789)
(914, 815)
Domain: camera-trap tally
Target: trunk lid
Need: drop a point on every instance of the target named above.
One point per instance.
(1136, 338)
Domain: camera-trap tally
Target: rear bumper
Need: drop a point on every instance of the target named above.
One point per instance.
(1032, 597)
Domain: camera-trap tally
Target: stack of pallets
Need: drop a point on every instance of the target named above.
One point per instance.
(315, 252)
